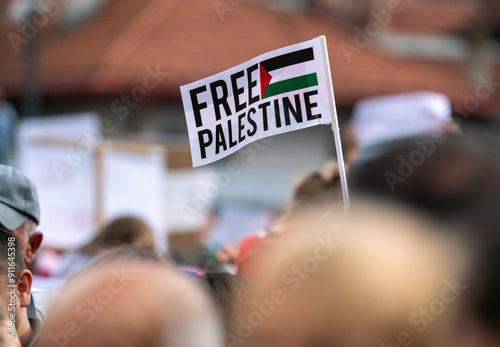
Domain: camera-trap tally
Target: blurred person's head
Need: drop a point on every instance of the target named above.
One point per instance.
(123, 253)
(119, 232)
(317, 189)
(15, 284)
(378, 121)
(232, 296)
(380, 277)
(481, 328)
(313, 194)
(457, 183)
(482, 219)
(445, 179)
(20, 210)
(131, 302)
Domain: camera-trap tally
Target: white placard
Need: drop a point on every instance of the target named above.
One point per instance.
(64, 175)
(135, 184)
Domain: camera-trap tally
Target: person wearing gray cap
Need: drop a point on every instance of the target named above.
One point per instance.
(20, 210)
(20, 215)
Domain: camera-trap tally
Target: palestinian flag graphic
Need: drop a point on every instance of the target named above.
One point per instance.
(284, 82)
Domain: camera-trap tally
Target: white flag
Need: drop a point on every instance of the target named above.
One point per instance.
(284, 90)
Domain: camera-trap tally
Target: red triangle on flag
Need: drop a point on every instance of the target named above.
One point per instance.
(265, 79)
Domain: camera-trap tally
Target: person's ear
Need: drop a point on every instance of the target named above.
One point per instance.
(24, 281)
(34, 243)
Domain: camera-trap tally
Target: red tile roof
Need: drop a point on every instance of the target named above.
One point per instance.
(431, 16)
(110, 54)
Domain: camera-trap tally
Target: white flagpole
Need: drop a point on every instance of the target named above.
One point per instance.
(335, 129)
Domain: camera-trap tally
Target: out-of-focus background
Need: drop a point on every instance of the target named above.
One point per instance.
(90, 106)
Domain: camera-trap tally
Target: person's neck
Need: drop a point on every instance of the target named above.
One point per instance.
(24, 330)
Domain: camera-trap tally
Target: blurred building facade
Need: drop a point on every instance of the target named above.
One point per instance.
(125, 60)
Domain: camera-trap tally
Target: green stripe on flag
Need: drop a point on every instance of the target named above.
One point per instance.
(291, 84)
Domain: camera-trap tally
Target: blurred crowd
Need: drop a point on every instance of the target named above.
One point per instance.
(413, 261)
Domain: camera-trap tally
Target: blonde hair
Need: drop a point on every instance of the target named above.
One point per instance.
(364, 278)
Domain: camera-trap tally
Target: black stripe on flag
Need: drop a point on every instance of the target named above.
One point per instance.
(288, 59)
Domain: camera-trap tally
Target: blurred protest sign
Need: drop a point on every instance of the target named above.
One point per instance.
(280, 91)
(84, 181)
(133, 180)
(67, 202)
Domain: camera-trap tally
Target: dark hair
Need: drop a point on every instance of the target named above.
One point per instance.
(120, 231)
(231, 295)
(11, 255)
(443, 179)
(458, 184)
(483, 297)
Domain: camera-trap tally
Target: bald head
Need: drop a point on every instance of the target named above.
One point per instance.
(125, 303)
(366, 280)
